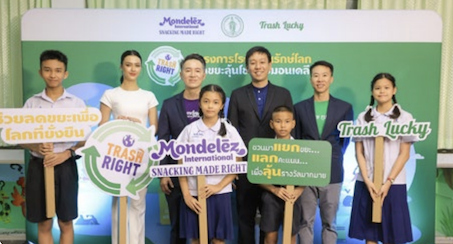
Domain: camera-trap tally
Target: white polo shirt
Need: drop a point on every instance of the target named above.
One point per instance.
(196, 131)
(391, 148)
(67, 100)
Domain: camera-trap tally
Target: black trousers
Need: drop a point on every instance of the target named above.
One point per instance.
(174, 201)
(248, 197)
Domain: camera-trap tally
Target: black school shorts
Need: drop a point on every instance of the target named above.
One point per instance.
(66, 190)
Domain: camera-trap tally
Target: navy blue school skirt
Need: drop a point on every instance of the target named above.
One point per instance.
(396, 223)
(220, 219)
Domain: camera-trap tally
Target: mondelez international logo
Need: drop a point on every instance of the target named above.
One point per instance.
(163, 65)
(232, 25)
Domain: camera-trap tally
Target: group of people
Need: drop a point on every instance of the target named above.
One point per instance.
(259, 109)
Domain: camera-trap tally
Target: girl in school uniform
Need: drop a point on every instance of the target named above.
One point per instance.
(218, 187)
(396, 223)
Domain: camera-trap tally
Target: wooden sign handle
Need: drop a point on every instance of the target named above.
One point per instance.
(288, 218)
(203, 216)
(49, 182)
(378, 176)
(123, 220)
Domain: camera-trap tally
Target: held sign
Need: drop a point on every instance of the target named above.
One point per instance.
(21, 125)
(289, 162)
(203, 157)
(116, 157)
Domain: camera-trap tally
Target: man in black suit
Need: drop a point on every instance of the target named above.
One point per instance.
(250, 111)
(317, 119)
(177, 112)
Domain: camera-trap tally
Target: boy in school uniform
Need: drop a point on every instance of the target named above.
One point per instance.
(61, 156)
(274, 198)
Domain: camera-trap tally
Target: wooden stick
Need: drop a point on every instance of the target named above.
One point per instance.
(123, 220)
(49, 178)
(203, 216)
(378, 176)
(288, 218)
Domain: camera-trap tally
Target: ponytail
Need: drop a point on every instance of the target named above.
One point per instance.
(222, 131)
(396, 110)
(368, 116)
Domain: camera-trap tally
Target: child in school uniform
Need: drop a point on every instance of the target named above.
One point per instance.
(396, 223)
(274, 198)
(59, 155)
(218, 187)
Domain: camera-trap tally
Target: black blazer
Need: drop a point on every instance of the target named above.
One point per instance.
(243, 111)
(307, 129)
(172, 120)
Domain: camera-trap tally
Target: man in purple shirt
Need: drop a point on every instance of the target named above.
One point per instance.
(177, 112)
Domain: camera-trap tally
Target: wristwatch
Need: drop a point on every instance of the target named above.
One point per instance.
(73, 154)
(391, 180)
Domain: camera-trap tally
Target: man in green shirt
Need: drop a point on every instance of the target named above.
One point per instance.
(317, 119)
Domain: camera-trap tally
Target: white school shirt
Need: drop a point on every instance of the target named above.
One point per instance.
(130, 103)
(196, 131)
(391, 148)
(290, 138)
(66, 100)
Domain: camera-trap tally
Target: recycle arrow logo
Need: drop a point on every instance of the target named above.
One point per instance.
(99, 140)
(144, 180)
(91, 156)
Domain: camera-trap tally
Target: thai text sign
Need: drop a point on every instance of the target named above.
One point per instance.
(21, 126)
(289, 162)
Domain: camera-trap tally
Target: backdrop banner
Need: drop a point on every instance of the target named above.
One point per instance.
(359, 44)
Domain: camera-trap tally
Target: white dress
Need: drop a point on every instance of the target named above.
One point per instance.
(131, 104)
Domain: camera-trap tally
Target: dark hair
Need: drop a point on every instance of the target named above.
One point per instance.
(257, 49)
(54, 55)
(195, 56)
(283, 108)
(218, 89)
(396, 111)
(322, 63)
(129, 53)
